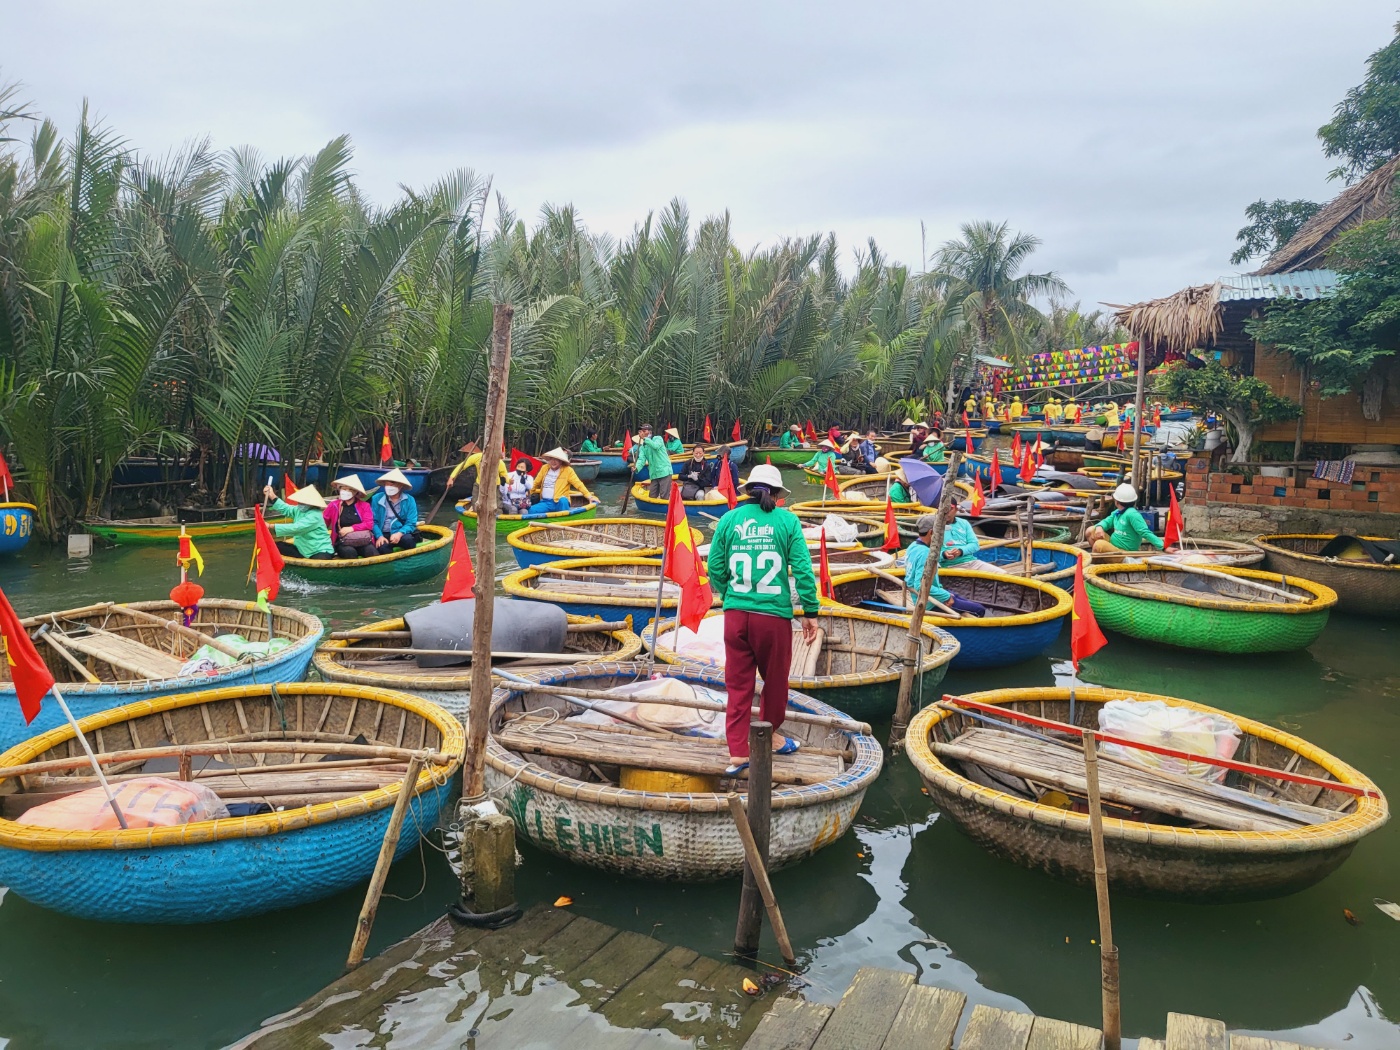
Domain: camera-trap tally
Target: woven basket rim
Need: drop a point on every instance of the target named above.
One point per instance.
(514, 583)
(1370, 813)
(639, 493)
(39, 839)
(1064, 603)
(464, 509)
(1324, 597)
(521, 538)
(19, 506)
(444, 537)
(1266, 544)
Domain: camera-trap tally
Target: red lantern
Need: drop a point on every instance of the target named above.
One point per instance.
(187, 595)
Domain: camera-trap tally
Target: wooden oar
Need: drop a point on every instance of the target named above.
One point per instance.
(571, 697)
(1242, 581)
(950, 613)
(627, 490)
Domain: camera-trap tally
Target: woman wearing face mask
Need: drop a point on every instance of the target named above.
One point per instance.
(350, 519)
(698, 475)
(515, 490)
(395, 513)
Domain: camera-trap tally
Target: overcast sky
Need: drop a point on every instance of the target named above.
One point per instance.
(1128, 136)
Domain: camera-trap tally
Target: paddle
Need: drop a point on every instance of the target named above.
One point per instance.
(1242, 581)
(950, 613)
(627, 492)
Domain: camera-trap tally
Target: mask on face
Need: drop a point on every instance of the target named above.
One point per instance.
(346, 495)
(392, 490)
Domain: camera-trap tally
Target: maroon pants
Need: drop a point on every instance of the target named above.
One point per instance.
(754, 643)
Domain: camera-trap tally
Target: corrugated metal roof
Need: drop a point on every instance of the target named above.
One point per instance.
(993, 362)
(1301, 284)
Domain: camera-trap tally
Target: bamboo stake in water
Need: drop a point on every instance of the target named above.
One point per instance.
(1108, 952)
(760, 873)
(381, 866)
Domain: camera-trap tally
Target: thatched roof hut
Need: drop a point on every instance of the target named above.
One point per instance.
(1370, 198)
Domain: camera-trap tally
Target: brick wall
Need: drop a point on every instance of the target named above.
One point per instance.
(1231, 504)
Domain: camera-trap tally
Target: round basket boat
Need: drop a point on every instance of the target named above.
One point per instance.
(581, 508)
(1023, 616)
(1172, 606)
(354, 662)
(369, 475)
(166, 528)
(600, 587)
(322, 836)
(1367, 588)
(586, 469)
(423, 562)
(870, 531)
(552, 788)
(861, 508)
(16, 526)
(1191, 551)
(855, 666)
(700, 513)
(1149, 855)
(1010, 528)
(133, 658)
(1053, 563)
(595, 538)
(783, 457)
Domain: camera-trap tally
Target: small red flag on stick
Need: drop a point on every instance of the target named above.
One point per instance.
(626, 444)
(737, 433)
(709, 436)
(28, 673)
(683, 565)
(1085, 638)
(891, 527)
(267, 561)
(830, 479)
(386, 447)
(726, 480)
(824, 574)
(1173, 532)
(461, 577)
(979, 497)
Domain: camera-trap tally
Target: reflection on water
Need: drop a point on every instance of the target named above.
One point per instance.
(902, 889)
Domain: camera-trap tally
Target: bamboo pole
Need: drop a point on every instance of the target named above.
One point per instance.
(911, 664)
(474, 765)
(754, 862)
(53, 642)
(1108, 951)
(754, 828)
(381, 865)
(91, 758)
(1137, 412)
(178, 628)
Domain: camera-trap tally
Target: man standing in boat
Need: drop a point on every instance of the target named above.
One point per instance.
(651, 453)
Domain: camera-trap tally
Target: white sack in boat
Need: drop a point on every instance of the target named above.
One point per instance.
(632, 700)
(1180, 728)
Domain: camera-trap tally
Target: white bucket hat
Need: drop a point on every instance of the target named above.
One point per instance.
(766, 474)
(1125, 493)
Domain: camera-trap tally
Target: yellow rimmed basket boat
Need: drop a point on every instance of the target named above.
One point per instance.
(699, 513)
(354, 662)
(423, 562)
(16, 526)
(1172, 605)
(1191, 551)
(855, 666)
(1150, 852)
(110, 654)
(608, 588)
(580, 508)
(324, 838)
(1363, 586)
(565, 785)
(594, 538)
(166, 528)
(1023, 617)
(870, 530)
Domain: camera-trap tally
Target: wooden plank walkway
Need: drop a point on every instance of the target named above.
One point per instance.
(553, 979)
(885, 1010)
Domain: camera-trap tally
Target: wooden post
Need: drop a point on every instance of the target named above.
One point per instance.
(1108, 952)
(753, 862)
(1137, 412)
(914, 648)
(381, 866)
(760, 814)
(493, 858)
(498, 386)
(1028, 538)
(1298, 434)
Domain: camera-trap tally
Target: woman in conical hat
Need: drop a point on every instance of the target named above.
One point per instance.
(555, 482)
(395, 513)
(306, 533)
(350, 518)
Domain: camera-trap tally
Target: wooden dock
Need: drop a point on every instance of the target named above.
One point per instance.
(556, 979)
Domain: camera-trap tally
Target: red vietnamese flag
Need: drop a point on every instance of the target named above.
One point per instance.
(516, 456)
(267, 560)
(6, 478)
(1157, 416)
(461, 577)
(386, 447)
(708, 433)
(1016, 447)
(1027, 465)
(995, 475)
(626, 444)
(1037, 448)
(1172, 532)
(824, 585)
(726, 481)
(1085, 638)
(979, 498)
(967, 425)
(830, 480)
(891, 527)
(811, 434)
(28, 672)
(683, 565)
(1121, 431)
(288, 485)
(737, 433)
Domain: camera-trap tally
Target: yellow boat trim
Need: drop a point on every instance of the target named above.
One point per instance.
(1064, 603)
(639, 493)
(630, 644)
(48, 840)
(463, 507)
(19, 506)
(514, 584)
(444, 537)
(871, 509)
(1324, 597)
(1264, 543)
(521, 539)
(1370, 813)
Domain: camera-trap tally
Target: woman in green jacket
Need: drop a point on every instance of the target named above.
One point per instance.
(826, 453)
(590, 441)
(1125, 529)
(307, 530)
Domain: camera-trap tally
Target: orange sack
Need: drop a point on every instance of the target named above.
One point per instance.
(147, 802)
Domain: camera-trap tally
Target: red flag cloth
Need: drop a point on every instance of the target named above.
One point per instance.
(1027, 465)
(461, 577)
(726, 480)
(995, 478)
(28, 672)
(768, 460)
(626, 444)
(891, 527)
(1173, 531)
(386, 447)
(1157, 416)
(811, 434)
(1037, 447)
(1016, 447)
(830, 480)
(1039, 459)
(979, 498)
(288, 485)
(268, 557)
(966, 424)
(516, 456)
(708, 435)
(683, 565)
(737, 433)
(1122, 430)
(6, 478)
(1085, 638)
(824, 585)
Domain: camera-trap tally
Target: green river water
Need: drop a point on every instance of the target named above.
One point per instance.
(902, 889)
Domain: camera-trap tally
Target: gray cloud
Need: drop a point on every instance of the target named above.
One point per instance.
(1129, 137)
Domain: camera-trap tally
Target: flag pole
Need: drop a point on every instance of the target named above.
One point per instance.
(660, 589)
(96, 767)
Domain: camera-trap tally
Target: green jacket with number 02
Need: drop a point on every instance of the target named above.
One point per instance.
(750, 557)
